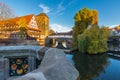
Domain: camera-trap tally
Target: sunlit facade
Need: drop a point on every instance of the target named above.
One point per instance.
(9, 29)
(43, 24)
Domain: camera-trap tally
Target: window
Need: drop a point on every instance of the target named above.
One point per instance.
(18, 66)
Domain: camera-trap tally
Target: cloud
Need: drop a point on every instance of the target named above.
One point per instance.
(60, 28)
(45, 9)
(70, 3)
(113, 26)
(60, 7)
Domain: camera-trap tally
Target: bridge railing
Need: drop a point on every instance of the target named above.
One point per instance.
(60, 36)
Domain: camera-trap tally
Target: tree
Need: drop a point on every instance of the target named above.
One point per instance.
(93, 40)
(83, 19)
(22, 23)
(5, 12)
(118, 27)
(51, 32)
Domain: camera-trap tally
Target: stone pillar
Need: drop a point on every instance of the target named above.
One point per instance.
(4, 69)
(31, 63)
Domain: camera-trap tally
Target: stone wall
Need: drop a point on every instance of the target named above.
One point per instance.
(18, 42)
(54, 66)
(7, 53)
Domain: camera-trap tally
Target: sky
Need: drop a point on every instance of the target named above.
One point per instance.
(61, 12)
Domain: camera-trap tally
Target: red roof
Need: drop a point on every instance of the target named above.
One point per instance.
(13, 21)
(0, 22)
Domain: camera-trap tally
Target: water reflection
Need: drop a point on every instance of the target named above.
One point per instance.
(89, 66)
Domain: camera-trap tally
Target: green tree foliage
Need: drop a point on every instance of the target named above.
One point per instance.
(83, 19)
(5, 12)
(22, 23)
(93, 40)
(90, 67)
(51, 32)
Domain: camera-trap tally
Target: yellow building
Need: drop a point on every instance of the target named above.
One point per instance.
(43, 24)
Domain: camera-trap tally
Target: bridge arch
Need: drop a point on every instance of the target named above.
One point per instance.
(50, 42)
(59, 41)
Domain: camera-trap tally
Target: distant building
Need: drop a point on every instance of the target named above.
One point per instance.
(115, 31)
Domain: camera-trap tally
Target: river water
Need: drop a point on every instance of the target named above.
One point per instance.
(96, 67)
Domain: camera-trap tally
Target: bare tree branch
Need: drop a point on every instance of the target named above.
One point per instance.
(5, 12)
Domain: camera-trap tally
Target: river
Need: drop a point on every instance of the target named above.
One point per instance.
(96, 67)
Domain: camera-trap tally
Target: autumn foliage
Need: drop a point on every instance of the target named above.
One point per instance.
(83, 19)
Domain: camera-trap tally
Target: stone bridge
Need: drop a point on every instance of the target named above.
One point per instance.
(16, 61)
(59, 40)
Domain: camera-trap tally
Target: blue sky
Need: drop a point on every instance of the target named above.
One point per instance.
(61, 12)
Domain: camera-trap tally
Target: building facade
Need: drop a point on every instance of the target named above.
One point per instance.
(43, 24)
(25, 27)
